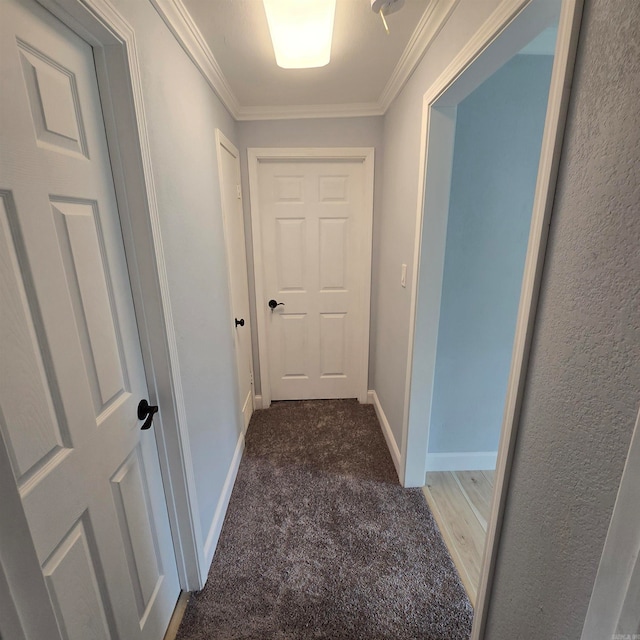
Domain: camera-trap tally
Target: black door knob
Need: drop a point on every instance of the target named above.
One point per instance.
(146, 412)
(274, 303)
(240, 323)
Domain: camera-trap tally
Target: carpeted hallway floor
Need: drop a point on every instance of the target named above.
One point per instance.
(321, 541)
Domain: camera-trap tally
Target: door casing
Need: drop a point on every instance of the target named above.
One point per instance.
(119, 80)
(365, 155)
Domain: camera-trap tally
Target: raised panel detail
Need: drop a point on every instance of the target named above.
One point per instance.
(333, 345)
(333, 253)
(138, 534)
(32, 422)
(54, 102)
(333, 188)
(289, 188)
(294, 345)
(81, 243)
(290, 244)
(74, 581)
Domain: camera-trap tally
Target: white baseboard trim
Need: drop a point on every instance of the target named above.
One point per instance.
(372, 397)
(218, 517)
(257, 402)
(462, 461)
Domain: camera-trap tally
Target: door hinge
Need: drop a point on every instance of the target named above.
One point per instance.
(239, 192)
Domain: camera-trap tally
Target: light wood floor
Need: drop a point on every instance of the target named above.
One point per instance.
(461, 503)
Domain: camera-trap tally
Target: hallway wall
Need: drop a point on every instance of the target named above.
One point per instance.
(182, 111)
(583, 381)
(311, 132)
(495, 166)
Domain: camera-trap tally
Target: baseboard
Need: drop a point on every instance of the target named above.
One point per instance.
(462, 461)
(386, 430)
(218, 518)
(257, 402)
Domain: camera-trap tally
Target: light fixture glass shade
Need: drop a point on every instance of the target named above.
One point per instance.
(301, 31)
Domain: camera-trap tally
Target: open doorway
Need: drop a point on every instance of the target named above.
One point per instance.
(498, 136)
(492, 133)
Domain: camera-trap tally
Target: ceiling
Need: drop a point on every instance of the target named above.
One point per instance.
(229, 40)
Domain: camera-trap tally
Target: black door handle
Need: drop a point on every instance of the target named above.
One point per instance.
(274, 303)
(240, 323)
(146, 410)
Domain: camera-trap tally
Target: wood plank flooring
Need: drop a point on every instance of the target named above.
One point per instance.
(461, 504)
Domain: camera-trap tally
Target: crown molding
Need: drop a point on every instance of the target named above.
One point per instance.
(293, 112)
(429, 26)
(181, 24)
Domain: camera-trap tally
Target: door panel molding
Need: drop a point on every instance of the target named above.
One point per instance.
(118, 69)
(255, 156)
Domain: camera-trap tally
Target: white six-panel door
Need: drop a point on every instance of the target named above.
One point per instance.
(315, 251)
(71, 370)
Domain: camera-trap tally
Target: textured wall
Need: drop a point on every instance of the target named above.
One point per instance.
(583, 384)
(495, 165)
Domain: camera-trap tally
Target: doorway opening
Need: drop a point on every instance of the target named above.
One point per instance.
(497, 140)
(492, 133)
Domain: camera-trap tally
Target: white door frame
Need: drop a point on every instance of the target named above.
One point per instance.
(113, 41)
(483, 55)
(254, 157)
(223, 141)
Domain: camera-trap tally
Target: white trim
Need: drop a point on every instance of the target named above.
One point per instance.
(478, 50)
(291, 112)
(181, 24)
(221, 508)
(257, 402)
(179, 21)
(462, 461)
(386, 431)
(254, 157)
(120, 83)
(428, 27)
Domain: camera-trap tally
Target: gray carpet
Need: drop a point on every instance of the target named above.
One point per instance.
(321, 541)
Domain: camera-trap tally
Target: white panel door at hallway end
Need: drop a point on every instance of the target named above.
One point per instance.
(71, 374)
(312, 218)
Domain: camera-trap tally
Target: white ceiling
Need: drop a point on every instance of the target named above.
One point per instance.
(229, 41)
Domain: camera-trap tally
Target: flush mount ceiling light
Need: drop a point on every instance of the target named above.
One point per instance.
(301, 31)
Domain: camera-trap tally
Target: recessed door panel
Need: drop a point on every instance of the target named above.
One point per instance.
(333, 188)
(290, 245)
(54, 102)
(333, 253)
(333, 336)
(82, 250)
(138, 535)
(294, 345)
(76, 586)
(33, 423)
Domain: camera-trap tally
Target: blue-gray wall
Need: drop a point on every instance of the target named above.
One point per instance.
(497, 147)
